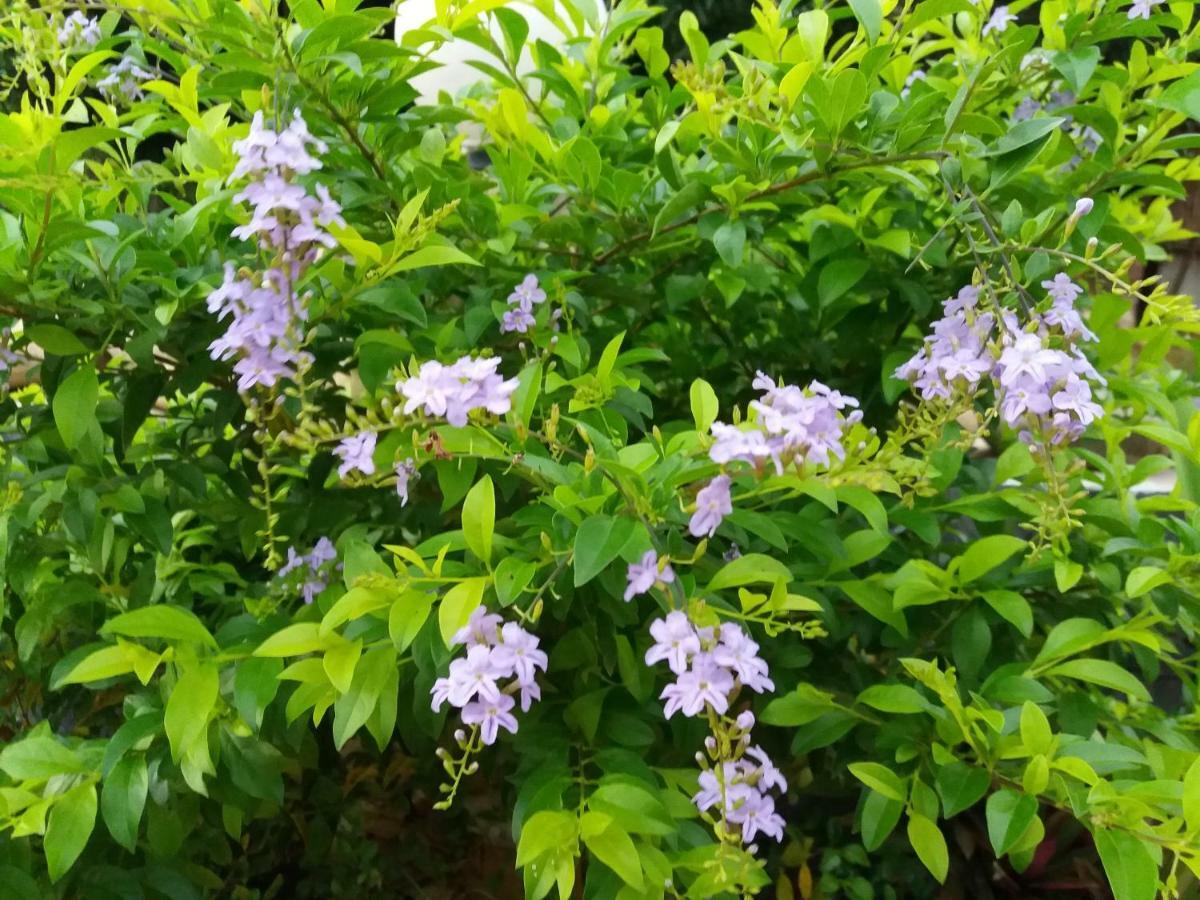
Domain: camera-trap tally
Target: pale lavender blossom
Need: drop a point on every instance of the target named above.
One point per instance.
(1026, 109)
(713, 504)
(79, 30)
(956, 354)
(454, 391)
(1061, 287)
(482, 629)
(732, 443)
(1142, 9)
(757, 814)
(675, 641)
(738, 652)
(527, 294)
(1000, 20)
(518, 320)
(406, 471)
(739, 789)
(491, 715)
(475, 675)
(356, 453)
(705, 683)
(645, 574)
(1083, 206)
(124, 81)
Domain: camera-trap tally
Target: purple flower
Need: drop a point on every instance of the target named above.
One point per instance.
(965, 300)
(704, 683)
(1026, 109)
(124, 81)
(482, 629)
(713, 503)
(755, 814)
(739, 653)
(491, 715)
(356, 453)
(999, 22)
(1027, 356)
(405, 472)
(316, 567)
(527, 294)
(79, 30)
(1141, 9)
(1076, 397)
(454, 391)
(1062, 288)
(518, 653)
(518, 320)
(1083, 206)
(732, 443)
(913, 77)
(474, 676)
(675, 640)
(767, 775)
(645, 574)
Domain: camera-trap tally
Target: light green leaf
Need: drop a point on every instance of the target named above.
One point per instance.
(1008, 815)
(170, 623)
(1144, 579)
(72, 819)
(986, 554)
(750, 568)
(879, 818)
(479, 518)
(435, 255)
(1035, 729)
(893, 698)
(354, 604)
(294, 640)
(38, 758)
(189, 707)
(407, 616)
(880, 779)
(123, 798)
(1131, 868)
(927, 839)
(613, 847)
(704, 404)
(458, 604)
(75, 405)
(1104, 673)
(869, 15)
(597, 543)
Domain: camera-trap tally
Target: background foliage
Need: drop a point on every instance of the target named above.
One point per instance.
(987, 677)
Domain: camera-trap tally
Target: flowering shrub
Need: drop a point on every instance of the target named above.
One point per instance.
(662, 532)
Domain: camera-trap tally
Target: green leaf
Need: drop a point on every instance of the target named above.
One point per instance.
(1008, 815)
(986, 554)
(1144, 579)
(189, 706)
(1104, 673)
(1077, 65)
(1035, 729)
(613, 847)
(803, 705)
(893, 698)
(1070, 636)
(75, 405)
(340, 661)
(38, 758)
(458, 604)
(869, 15)
(479, 518)
(597, 543)
(107, 662)
(375, 674)
(927, 839)
(407, 616)
(436, 255)
(1013, 608)
(880, 779)
(750, 568)
(254, 687)
(1184, 97)
(960, 787)
(879, 818)
(170, 623)
(1191, 796)
(1023, 133)
(632, 807)
(354, 604)
(1131, 868)
(838, 277)
(72, 819)
(123, 798)
(55, 339)
(730, 241)
(546, 831)
(294, 640)
(704, 404)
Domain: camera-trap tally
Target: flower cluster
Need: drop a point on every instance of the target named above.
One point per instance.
(521, 302)
(710, 665)
(315, 568)
(79, 30)
(1043, 381)
(452, 392)
(739, 787)
(956, 354)
(124, 81)
(792, 425)
(646, 573)
(266, 313)
(497, 651)
(1045, 391)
